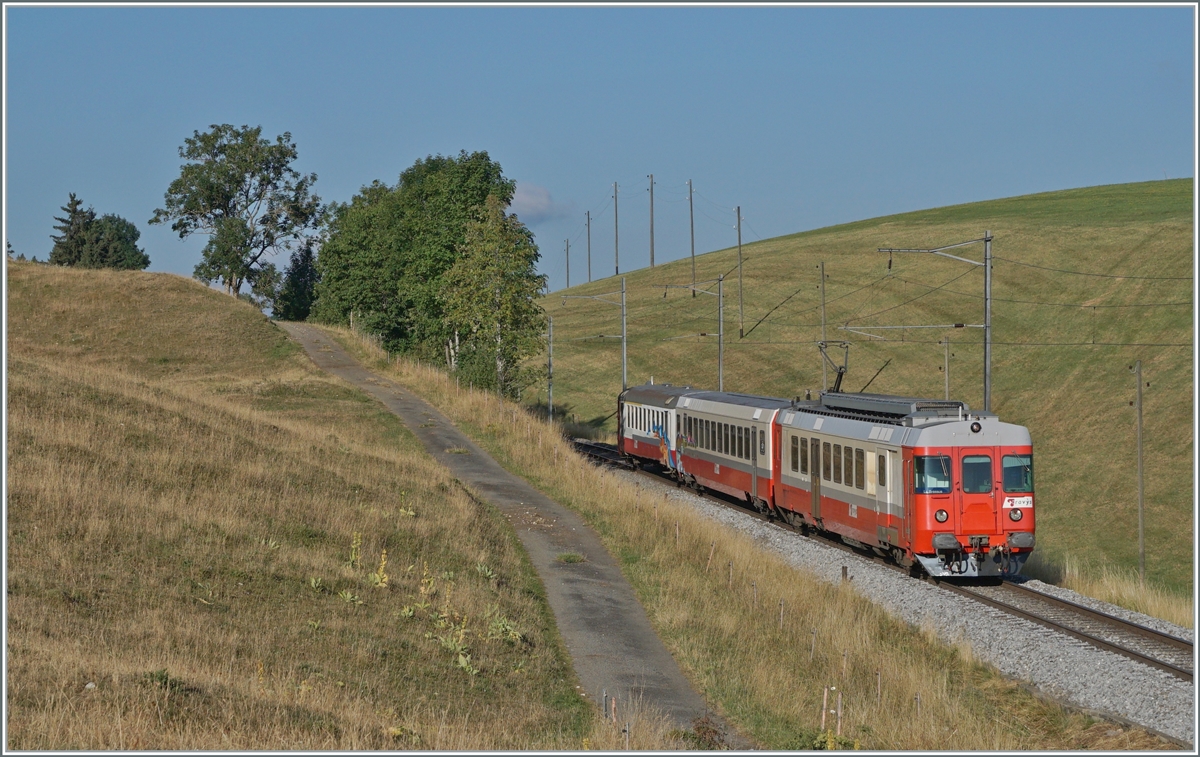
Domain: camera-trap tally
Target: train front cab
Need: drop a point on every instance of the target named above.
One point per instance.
(972, 512)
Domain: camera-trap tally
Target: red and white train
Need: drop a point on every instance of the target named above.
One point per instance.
(926, 481)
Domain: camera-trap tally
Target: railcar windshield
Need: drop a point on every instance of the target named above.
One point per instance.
(977, 474)
(932, 474)
(1018, 473)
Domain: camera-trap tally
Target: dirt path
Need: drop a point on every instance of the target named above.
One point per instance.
(612, 645)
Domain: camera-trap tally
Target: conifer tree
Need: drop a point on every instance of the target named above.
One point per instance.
(299, 286)
(70, 244)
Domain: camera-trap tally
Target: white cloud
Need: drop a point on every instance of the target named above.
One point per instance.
(533, 204)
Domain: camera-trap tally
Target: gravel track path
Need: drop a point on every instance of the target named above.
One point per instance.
(1058, 665)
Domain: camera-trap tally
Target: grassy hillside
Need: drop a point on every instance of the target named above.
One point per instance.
(197, 521)
(1063, 343)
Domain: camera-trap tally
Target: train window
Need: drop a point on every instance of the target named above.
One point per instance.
(932, 474)
(882, 469)
(762, 442)
(740, 438)
(860, 474)
(795, 453)
(804, 456)
(708, 435)
(749, 434)
(837, 463)
(723, 439)
(825, 463)
(976, 474)
(849, 465)
(1018, 473)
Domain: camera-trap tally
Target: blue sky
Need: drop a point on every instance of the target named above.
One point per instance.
(804, 116)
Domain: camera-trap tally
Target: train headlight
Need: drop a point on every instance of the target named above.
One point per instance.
(1015, 514)
(941, 516)
(975, 427)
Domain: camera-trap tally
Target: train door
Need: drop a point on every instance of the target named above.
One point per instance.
(976, 495)
(621, 423)
(753, 441)
(814, 459)
(898, 484)
(888, 488)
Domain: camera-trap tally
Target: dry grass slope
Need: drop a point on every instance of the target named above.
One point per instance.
(197, 526)
(1075, 399)
(730, 640)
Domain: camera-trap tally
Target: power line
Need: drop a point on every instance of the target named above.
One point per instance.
(1099, 275)
(914, 299)
(1050, 304)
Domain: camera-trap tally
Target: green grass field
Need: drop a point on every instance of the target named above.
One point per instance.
(1063, 343)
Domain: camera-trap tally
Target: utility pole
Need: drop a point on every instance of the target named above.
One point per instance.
(824, 338)
(987, 321)
(651, 220)
(720, 295)
(616, 234)
(692, 226)
(550, 371)
(741, 312)
(946, 367)
(987, 302)
(588, 216)
(721, 333)
(624, 341)
(568, 264)
(1137, 369)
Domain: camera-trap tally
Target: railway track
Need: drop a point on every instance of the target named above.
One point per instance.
(1113, 634)
(1137, 642)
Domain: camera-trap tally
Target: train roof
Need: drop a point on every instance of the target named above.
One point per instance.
(665, 395)
(876, 408)
(890, 409)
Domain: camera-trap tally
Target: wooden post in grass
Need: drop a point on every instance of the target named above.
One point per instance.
(614, 710)
(824, 707)
(918, 698)
(839, 711)
(676, 532)
(781, 613)
(845, 659)
(604, 693)
(710, 557)
(627, 736)
(878, 688)
(730, 574)
(754, 588)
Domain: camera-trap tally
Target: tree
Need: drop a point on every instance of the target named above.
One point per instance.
(389, 247)
(90, 242)
(70, 243)
(112, 243)
(242, 191)
(491, 296)
(299, 285)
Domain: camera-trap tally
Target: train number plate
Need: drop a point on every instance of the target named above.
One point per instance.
(1018, 501)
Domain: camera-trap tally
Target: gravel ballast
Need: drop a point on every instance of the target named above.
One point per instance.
(1060, 666)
